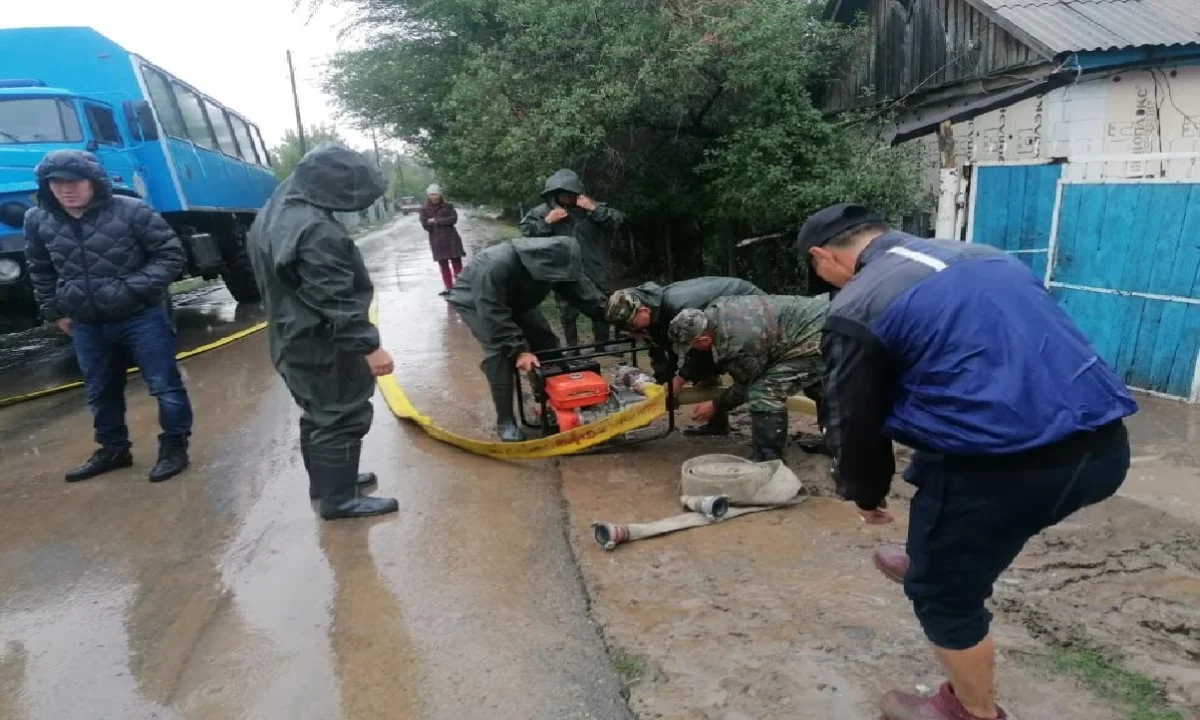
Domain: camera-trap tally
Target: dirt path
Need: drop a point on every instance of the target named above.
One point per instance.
(782, 615)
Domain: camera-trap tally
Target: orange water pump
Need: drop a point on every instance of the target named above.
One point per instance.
(575, 397)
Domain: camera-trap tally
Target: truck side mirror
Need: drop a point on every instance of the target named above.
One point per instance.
(140, 118)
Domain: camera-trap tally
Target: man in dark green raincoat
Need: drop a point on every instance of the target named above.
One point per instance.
(648, 310)
(317, 292)
(499, 295)
(569, 212)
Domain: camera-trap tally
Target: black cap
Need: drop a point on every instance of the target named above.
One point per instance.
(831, 222)
(65, 174)
(825, 226)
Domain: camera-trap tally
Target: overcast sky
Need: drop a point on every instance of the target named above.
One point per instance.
(234, 50)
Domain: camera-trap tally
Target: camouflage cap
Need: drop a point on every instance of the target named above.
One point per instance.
(687, 326)
(621, 306)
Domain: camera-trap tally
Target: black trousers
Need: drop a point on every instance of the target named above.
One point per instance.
(972, 516)
(335, 397)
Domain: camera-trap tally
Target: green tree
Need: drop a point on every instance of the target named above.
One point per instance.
(406, 175)
(287, 154)
(699, 118)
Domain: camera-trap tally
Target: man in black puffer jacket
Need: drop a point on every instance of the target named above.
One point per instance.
(101, 265)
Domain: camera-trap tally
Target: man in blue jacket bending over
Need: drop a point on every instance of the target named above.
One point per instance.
(958, 352)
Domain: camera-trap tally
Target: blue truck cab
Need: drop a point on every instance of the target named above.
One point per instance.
(201, 165)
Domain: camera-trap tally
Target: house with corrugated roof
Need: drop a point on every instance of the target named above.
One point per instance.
(1066, 132)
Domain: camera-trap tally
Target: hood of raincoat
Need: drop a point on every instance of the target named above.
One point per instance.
(562, 181)
(334, 177)
(649, 294)
(552, 259)
(71, 164)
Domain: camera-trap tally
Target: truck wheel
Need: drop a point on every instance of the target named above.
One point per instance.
(239, 278)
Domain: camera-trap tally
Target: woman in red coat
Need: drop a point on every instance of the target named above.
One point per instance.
(438, 217)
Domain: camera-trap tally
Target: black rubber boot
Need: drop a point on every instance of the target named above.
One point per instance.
(601, 332)
(717, 425)
(507, 428)
(172, 460)
(768, 435)
(337, 484)
(365, 480)
(102, 461)
(571, 333)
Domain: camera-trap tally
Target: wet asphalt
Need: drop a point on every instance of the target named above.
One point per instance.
(221, 595)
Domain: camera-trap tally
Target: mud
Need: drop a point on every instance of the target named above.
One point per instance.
(783, 615)
(1121, 577)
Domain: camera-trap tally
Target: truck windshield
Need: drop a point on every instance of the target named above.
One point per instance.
(38, 120)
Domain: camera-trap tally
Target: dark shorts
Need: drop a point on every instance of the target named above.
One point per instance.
(971, 517)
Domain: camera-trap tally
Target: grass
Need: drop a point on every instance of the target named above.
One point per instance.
(492, 231)
(1137, 695)
(550, 310)
(630, 667)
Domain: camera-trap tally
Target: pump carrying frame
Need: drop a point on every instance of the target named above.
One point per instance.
(559, 361)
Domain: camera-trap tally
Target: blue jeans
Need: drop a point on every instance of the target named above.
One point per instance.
(105, 350)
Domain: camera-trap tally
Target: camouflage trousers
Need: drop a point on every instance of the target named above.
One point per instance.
(769, 393)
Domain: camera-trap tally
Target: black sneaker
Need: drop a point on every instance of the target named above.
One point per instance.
(102, 461)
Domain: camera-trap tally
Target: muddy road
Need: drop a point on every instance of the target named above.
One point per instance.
(219, 595)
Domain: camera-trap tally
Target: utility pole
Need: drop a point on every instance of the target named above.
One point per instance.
(375, 142)
(296, 102)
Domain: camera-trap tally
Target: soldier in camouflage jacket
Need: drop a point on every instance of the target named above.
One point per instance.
(770, 345)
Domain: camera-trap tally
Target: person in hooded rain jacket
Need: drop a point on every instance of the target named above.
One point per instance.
(569, 212)
(317, 292)
(101, 267)
(649, 308)
(499, 295)
(439, 217)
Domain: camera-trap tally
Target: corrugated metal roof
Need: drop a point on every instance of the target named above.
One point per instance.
(1075, 25)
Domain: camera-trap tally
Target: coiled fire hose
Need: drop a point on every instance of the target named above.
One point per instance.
(715, 488)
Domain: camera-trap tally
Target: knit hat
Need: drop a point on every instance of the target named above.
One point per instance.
(433, 189)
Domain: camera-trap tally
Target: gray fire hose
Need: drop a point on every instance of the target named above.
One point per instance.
(715, 488)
